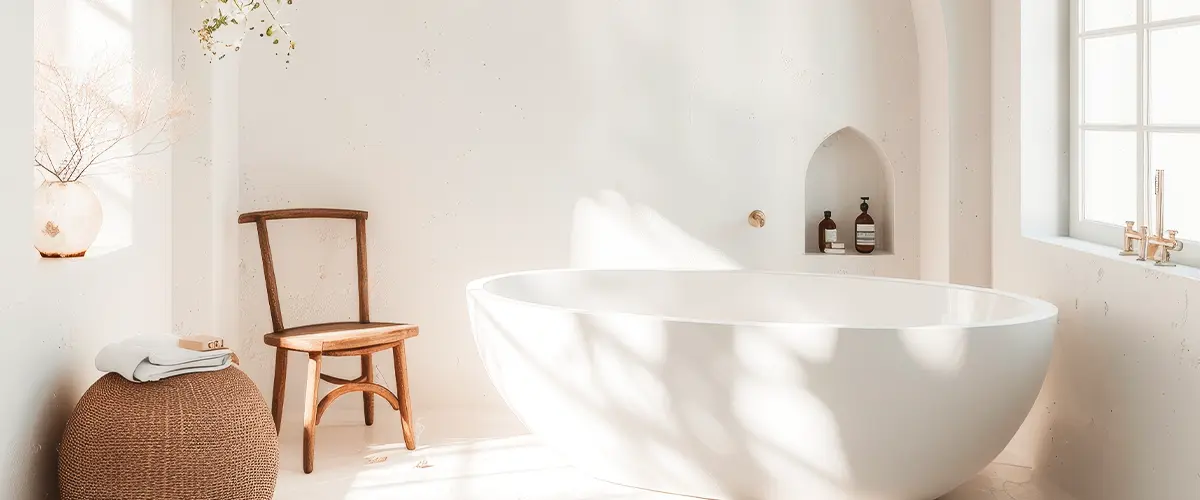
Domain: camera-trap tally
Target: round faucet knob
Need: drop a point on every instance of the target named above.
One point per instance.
(758, 218)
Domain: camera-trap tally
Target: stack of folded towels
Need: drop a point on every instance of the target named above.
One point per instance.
(148, 358)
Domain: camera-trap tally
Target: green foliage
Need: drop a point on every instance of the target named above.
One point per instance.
(227, 29)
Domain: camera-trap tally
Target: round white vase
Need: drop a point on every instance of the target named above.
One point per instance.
(66, 219)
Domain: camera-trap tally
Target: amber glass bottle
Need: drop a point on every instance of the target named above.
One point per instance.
(864, 229)
(826, 231)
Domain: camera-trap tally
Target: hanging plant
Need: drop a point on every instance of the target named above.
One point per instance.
(235, 20)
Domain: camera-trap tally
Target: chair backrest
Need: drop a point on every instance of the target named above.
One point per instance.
(264, 245)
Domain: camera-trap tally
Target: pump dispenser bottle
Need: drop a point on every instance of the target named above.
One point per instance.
(864, 229)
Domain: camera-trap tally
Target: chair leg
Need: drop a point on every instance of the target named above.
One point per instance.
(310, 409)
(405, 404)
(368, 372)
(280, 386)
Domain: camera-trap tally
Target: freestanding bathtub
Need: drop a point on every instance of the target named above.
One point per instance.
(740, 385)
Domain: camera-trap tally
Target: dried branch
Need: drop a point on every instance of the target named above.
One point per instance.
(163, 146)
(85, 117)
(49, 170)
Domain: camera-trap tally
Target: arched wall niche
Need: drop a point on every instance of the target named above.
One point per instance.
(847, 166)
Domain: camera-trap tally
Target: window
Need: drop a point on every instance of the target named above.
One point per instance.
(1135, 109)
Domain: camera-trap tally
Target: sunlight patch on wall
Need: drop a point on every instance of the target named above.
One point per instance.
(115, 191)
(81, 34)
(98, 26)
(611, 232)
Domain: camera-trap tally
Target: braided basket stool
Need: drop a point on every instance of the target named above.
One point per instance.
(192, 437)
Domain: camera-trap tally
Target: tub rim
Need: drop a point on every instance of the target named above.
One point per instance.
(1041, 309)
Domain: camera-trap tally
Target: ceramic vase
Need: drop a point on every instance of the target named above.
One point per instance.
(66, 219)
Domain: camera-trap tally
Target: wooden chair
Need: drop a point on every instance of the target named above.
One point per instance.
(362, 338)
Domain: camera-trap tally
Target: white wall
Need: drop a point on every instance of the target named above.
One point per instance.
(1117, 417)
(487, 137)
(27, 375)
(935, 82)
(57, 314)
(955, 142)
(204, 188)
(968, 28)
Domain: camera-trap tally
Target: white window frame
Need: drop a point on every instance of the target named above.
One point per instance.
(1101, 232)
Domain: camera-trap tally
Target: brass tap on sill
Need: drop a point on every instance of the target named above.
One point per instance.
(1160, 248)
(1157, 246)
(1132, 236)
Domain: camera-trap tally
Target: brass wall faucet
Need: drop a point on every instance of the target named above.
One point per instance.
(1157, 246)
(757, 218)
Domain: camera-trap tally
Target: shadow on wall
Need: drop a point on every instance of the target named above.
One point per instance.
(610, 232)
(122, 288)
(32, 472)
(80, 34)
(584, 134)
(675, 144)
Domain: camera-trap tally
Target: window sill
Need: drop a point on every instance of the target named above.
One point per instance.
(1111, 253)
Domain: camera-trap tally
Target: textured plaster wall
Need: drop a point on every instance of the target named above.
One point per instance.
(20, 438)
(955, 200)
(204, 188)
(968, 28)
(1117, 417)
(935, 80)
(486, 138)
(57, 314)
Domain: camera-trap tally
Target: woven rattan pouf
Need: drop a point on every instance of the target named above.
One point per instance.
(192, 437)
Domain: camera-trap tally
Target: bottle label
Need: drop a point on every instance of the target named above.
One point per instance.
(830, 235)
(864, 234)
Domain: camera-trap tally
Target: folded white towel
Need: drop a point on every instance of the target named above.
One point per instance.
(148, 358)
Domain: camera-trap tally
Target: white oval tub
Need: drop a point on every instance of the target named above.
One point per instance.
(740, 385)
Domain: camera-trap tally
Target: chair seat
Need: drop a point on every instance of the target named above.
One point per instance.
(328, 337)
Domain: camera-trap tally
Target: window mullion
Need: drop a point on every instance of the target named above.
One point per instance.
(1168, 129)
(1107, 32)
(1104, 127)
(1143, 174)
(1142, 24)
(1181, 22)
(1076, 198)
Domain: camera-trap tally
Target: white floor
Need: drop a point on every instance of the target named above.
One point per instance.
(473, 458)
